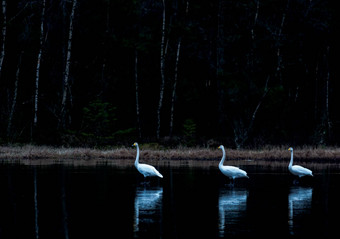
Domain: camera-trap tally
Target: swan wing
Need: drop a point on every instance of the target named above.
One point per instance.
(233, 172)
(300, 171)
(148, 170)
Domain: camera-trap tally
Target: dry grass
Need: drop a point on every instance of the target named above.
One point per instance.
(31, 152)
(269, 157)
(46, 152)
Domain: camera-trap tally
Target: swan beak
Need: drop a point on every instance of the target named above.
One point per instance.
(219, 147)
(134, 144)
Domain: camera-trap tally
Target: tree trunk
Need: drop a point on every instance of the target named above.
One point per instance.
(316, 88)
(251, 59)
(162, 65)
(4, 31)
(323, 130)
(278, 53)
(14, 101)
(220, 40)
(265, 92)
(37, 76)
(173, 97)
(329, 123)
(137, 94)
(241, 131)
(105, 41)
(255, 19)
(66, 87)
(174, 88)
(220, 64)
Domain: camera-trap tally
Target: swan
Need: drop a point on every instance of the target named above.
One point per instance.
(231, 171)
(145, 169)
(297, 169)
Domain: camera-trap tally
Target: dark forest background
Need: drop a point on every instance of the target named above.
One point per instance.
(245, 73)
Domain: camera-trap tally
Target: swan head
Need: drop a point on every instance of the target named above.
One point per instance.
(290, 149)
(135, 144)
(221, 147)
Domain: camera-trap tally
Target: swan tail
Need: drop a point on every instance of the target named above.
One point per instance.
(158, 174)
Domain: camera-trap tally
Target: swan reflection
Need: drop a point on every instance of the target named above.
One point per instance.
(231, 204)
(299, 201)
(148, 205)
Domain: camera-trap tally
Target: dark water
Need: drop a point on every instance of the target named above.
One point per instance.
(111, 202)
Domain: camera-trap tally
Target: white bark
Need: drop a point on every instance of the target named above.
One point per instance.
(265, 92)
(241, 131)
(316, 92)
(162, 63)
(174, 88)
(220, 39)
(255, 18)
(137, 94)
(4, 31)
(14, 100)
(66, 89)
(173, 98)
(329, 123)
(279, 57)
(37, 76)
(220, 50)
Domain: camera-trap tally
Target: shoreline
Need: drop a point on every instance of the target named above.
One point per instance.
(270, 159)
(32, 152)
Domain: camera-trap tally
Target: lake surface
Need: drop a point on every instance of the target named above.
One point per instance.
(60, 201)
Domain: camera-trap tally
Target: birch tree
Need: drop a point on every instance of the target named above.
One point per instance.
(105, 49)
(241, 128)
(279, 36)
(14, 100)
(323, 130)
(66, 93)
(220, 62)
(220, 39)
(251, 59)
(137, 94)
(3, 31)
(328, 121)
(255, 19)
(162, 65)
(37, 75)
(173, 96)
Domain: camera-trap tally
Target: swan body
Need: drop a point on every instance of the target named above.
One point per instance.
(297, 169)
(145, 169)
(231, 171)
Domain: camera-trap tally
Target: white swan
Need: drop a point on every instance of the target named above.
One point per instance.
(297, 169)
(231, 171)
(145, 169)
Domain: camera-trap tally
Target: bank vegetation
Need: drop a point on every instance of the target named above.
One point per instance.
(149, 152)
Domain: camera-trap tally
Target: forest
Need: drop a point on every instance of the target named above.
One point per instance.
(245, 73)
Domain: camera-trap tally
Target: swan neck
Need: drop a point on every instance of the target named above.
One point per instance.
(137, 156)
(223, 158)
(291, 159)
